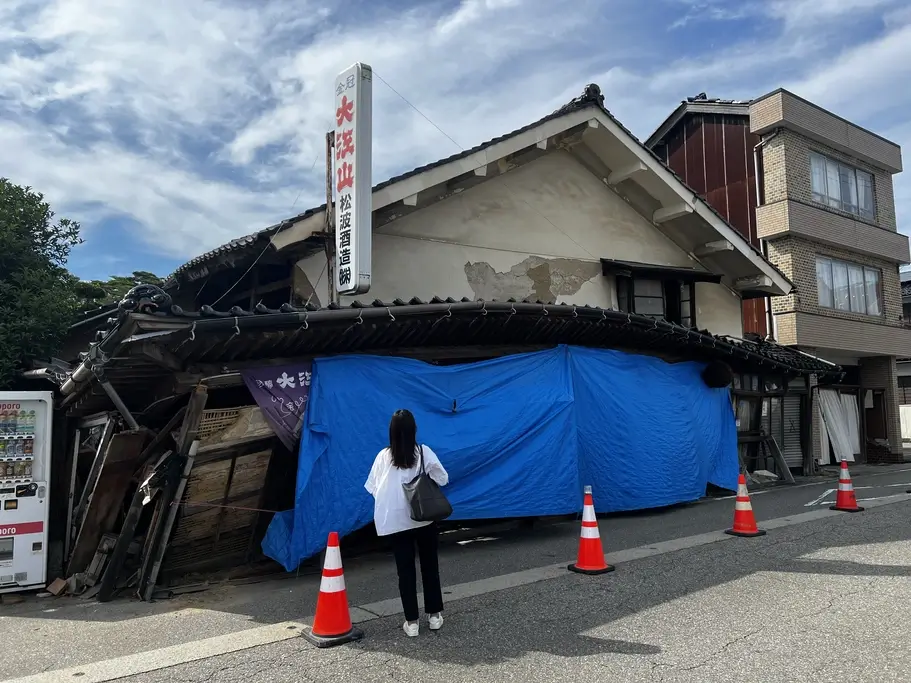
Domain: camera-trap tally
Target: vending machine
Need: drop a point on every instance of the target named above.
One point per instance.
(25, 463)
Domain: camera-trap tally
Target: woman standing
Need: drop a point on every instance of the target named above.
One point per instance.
(396, 465)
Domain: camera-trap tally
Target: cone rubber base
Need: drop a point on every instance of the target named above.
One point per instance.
(331, 641)
(591, 572)
(745, 534)
(835, 507)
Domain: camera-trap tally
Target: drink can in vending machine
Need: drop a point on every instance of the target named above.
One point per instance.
(2, 422)
(28, 447)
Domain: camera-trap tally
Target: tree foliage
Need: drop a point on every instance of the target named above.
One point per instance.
(37, 296)
(96, 293)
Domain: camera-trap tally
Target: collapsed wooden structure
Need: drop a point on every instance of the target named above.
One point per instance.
(174, 470)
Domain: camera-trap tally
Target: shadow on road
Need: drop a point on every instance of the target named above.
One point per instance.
(561, 617)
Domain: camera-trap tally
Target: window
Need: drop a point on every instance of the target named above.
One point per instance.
(670, 299)
(840, 186)
(848, 287)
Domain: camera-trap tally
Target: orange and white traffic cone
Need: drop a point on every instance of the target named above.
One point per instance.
(845, 500)
(744, 520)
(332, 623)
(591, 555)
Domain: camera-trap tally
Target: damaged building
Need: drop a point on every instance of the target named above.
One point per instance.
(189, 407)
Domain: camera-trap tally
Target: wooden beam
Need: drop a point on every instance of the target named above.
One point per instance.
(593, 123)
(669, 213)
(716, 247)
(170, 516)
(481, 171)
(253, 294)
(162, 357)
(160, 529)
(752, 282)
(411, 200)
(542, 144)
(163, 434)
(626, 172)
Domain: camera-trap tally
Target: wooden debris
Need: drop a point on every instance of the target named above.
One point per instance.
(57, 586)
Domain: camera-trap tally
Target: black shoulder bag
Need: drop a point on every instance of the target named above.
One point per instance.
(425, 497)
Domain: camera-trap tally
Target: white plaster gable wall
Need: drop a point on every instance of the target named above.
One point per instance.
(718, 310)
(537, 230)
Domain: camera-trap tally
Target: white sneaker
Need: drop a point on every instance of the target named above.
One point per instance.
(412, 630)
(436, 622)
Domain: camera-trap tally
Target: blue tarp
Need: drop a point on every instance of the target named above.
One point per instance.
(519, 435)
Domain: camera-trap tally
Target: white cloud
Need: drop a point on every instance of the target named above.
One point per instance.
(204, 120)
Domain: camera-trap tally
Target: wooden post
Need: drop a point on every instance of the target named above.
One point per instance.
(89, 488)
(119, 554)
(149, 452)
(157, 541)
(170, 515)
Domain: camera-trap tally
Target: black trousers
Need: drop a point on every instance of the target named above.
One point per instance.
(426, 540)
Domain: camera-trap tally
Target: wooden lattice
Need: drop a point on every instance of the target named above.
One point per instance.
(214, 421)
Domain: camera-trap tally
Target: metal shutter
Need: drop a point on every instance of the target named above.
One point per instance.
(793, 453)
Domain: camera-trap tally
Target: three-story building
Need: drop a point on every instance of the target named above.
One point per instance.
(823, 211)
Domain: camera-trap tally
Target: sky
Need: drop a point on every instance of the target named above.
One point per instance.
(169, 128)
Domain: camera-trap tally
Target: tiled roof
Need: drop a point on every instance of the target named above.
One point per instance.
(700, 104)
(591, 97)
(212, 341)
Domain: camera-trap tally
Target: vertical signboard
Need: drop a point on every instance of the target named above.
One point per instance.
(353, 191)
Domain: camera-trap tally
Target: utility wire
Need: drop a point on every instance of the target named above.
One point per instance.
(427, 118)
(271, 239)
(505, 184)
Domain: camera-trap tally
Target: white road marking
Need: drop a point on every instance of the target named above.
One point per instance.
(753, 494)
(818, 501)
(163, 658)
(821, 500)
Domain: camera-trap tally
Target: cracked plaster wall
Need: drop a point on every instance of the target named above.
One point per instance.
(537, 232)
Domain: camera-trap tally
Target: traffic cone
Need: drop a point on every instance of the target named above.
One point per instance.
(332, 623)
(744, 520)
(591, 554)
(845, 500)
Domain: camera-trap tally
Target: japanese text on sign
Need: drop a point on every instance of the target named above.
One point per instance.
(353, 201)
(282, 393)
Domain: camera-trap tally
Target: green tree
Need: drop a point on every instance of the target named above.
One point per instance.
(37, 297)
(100, 292)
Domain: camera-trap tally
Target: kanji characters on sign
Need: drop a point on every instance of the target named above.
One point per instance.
(344, 155)
(352, 179)
(282, 394)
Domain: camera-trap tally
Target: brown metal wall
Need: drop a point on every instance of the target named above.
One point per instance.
(713, 153)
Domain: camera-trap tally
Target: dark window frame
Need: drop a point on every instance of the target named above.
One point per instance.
(672, 298)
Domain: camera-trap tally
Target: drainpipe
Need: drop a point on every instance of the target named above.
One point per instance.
(770, 318)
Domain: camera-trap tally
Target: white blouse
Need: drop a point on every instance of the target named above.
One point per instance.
(391, 512)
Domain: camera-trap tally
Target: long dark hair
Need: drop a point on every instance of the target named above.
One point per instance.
(403, 432)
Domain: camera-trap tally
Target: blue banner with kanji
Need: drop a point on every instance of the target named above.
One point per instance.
(282, 392)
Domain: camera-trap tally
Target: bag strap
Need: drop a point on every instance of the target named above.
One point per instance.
(422, 459)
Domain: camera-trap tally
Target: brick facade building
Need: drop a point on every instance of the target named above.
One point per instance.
(823, 212)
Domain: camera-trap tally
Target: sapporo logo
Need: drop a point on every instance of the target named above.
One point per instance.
(7, 531)
(7, 406)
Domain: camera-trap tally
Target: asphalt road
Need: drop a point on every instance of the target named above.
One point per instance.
(67, 632)
(814, 602)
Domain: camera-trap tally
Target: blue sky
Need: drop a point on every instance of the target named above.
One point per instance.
(170, 128)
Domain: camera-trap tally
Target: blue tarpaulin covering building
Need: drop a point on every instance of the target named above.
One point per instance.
(520, 436)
